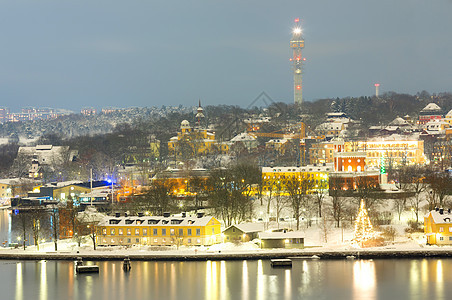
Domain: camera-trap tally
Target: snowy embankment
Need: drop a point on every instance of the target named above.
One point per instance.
(338, 246)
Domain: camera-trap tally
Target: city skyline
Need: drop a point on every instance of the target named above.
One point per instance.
(75, 55)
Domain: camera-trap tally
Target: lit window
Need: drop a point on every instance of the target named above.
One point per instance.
(441, 229)
(137, 231)
(120, 231)
(145, 231)
(104, 231)
(112, 231)
(129, 231)
(198, 231)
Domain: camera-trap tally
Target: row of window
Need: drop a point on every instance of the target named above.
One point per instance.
(441, 229)
(154, 231)
(137, 241)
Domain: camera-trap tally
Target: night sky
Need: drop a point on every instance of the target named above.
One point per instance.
(72, 54)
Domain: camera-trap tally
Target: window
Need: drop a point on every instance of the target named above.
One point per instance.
(137, 231)
(450, 229)
(441, 229)
(120, 231)
(129, 231)
(104, 231)
(172, 231)
(155, 240)
(112, 231)
(155, 231)
(441, 238)
(129, 241)
(181, 232)
(163, 231)
(189, 231)
(450, 238)
(145, 231)
(213, 230)
(189, 241)
(137, 240)
(198, 231)
(198, 241)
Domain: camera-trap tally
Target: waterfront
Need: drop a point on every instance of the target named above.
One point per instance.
(307, 279)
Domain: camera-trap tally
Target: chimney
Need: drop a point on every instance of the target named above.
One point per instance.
(441, 211)
(448, 210)
(117, 215)
(436, 209)
(126, 214)
(184, 214)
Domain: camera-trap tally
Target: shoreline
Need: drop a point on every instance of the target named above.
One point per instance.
(266, 255)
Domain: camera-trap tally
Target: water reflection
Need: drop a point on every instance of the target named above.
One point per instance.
(364, 279)
(307, 279)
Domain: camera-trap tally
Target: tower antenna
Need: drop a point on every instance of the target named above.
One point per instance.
(297, 44)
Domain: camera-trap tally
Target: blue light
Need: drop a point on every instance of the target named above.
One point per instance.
(109, 180)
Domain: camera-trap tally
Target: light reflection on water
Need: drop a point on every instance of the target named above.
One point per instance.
(307, 279)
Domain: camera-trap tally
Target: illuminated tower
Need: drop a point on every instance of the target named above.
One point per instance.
(297, 44)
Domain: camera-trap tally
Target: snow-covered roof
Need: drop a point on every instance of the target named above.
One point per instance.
(431, 107)
(449, 114)
(63, 183)
(399, 122)
(438, 218)
(244, 136)
(281, 235)
(248, 227)
(154, 221)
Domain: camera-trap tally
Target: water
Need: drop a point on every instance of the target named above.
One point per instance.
(307, 279)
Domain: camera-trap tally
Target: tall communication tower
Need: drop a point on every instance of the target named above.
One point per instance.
(297, 44)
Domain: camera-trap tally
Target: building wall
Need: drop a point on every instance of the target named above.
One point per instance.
(437, 234)
(276, 178)
(164, 235)
(397, 152)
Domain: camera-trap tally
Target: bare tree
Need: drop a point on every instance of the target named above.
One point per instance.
(298, 188)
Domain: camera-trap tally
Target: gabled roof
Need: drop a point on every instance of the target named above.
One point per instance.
(444, 218)
(449, 114)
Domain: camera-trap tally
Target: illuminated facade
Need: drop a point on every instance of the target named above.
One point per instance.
(429, 113)
(438, 227)
(297, 44)
(275, 179)
(158, 231)
(395, 152)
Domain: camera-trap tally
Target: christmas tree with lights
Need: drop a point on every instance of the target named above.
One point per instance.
(363, 228)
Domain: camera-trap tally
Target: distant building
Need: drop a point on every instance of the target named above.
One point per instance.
(275, 179)
(431, 112)
(88, 111)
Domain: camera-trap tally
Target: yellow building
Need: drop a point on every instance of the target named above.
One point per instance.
(438, 227)
(395, 152)
(158, 231)
(6, 189)
(192, 141)
(275, 179)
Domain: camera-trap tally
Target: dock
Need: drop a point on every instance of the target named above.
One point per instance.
(87, 269)
(284, 262)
